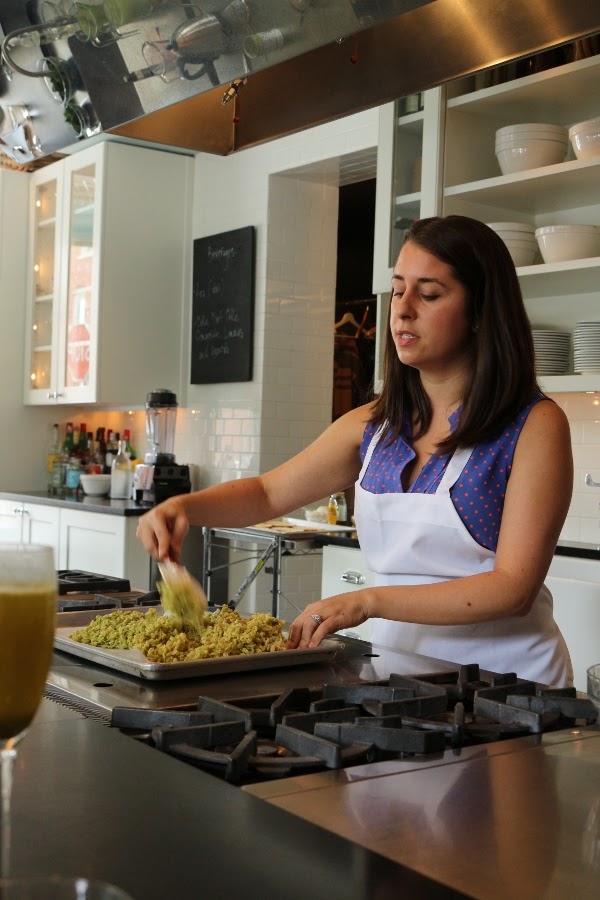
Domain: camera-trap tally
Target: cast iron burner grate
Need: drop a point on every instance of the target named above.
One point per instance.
(298, 731)
(75, 581)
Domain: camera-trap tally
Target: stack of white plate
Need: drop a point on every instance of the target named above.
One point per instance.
(586, 348)
(552, 351)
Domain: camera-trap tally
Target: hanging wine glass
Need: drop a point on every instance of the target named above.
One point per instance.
(28, 591)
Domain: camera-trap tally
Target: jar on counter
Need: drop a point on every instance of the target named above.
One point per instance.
(58, 477)
(72, 476)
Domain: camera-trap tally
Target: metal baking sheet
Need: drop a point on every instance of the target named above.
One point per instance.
(133, 662)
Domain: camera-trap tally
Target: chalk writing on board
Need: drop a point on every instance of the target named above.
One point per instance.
(223, 307)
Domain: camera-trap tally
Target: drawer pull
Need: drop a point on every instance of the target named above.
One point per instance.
(353, 577)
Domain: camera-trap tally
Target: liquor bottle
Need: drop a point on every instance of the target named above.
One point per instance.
(120, 474)
(68, 441)
(54, 451)
(83, 450)
(111, 451)
(75, 452)
(101, 438)
(127, 439)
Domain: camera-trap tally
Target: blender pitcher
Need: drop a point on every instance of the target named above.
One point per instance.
(161, 413)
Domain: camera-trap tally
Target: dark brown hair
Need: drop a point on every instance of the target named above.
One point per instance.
(503, 377)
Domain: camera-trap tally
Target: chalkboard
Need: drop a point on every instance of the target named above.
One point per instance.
(223, 307)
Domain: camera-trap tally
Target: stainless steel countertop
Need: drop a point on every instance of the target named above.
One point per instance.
(519, 819)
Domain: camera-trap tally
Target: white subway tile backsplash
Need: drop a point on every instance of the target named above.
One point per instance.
(591, 433)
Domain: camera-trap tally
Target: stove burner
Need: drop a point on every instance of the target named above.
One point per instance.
(299, 731)
(74, 581)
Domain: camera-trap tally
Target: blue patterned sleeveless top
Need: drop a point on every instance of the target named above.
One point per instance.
(478, 495)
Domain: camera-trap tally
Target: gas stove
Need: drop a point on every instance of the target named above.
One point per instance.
(482, 782)
(253, 739)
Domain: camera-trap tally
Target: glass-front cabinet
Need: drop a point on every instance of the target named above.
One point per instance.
(63, 284)
(409, 184)
(44, 292)
(408, 174)
(77, 357)
(109, 255)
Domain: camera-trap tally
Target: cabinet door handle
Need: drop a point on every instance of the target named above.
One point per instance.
(353, 577)
(19, 510)
(590, 481)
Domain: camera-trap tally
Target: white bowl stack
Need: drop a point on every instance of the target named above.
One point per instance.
(560, 243)
(530, 145)
(552, 351)
(520, 240)
(585, 138)
(586, 348)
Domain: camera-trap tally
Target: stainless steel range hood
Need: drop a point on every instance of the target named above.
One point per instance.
(246, 71)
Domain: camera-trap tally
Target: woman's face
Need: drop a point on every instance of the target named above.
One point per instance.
(428, 317)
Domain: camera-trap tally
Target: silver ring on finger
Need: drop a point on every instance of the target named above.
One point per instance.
(317, 618)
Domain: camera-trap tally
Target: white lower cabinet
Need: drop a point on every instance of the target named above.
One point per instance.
(82, 540)
(575, 587)
(344, 570)
(29, 523)
(94, 542)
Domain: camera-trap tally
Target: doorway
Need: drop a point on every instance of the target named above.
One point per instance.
(355, 303)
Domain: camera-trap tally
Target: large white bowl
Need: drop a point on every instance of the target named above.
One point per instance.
(519, 237)
(95, 485)
(530, 154)
(522, 253)
(559, 131)
(505, 227)
(559, 243)
(585, 138)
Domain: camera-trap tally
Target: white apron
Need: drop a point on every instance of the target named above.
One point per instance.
(411, 538)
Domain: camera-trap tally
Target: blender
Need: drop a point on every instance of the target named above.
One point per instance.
(159, 476)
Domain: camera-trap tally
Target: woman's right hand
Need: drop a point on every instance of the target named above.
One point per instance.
(162, 530)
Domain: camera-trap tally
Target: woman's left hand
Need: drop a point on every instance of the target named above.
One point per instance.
(325, 617)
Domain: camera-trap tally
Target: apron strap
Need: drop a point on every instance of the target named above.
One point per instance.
(454, 469)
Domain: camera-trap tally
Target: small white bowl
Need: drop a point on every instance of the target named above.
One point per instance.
(585, 138)
(95, 485)
(559, 243)
(315, 514)
(530, 154)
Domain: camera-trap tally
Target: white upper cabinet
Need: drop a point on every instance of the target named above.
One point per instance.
(461, 175)
(109, 229)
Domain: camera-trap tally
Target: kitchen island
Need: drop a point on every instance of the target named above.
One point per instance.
(520, 815)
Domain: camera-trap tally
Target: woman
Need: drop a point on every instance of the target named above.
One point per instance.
(463, 472)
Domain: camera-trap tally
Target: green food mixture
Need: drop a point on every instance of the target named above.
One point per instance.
(165, 639)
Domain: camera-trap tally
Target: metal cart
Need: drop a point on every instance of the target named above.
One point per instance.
(274, 540)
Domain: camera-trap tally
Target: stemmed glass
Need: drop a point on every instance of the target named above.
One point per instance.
(28, 590)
